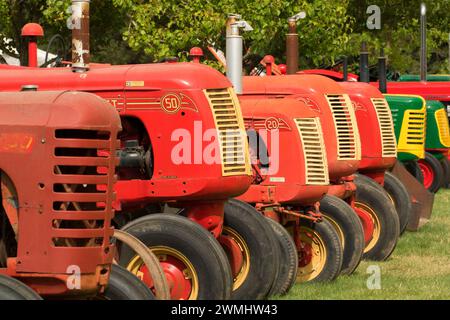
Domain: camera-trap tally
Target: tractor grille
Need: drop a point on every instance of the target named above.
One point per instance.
(348, 143)
(414, 122)
(83, 171)
(442, 123)
(389, 143)
(316, 165)
(231, 132)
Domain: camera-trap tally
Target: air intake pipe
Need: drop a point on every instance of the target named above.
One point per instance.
(234, 50)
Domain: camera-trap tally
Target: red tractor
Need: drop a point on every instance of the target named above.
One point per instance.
(183, 149)
(57, 175)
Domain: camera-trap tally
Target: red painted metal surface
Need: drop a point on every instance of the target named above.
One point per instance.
(428, 90)
(372, 159)
(286, 184)
(137, 92)
(311, 89)
(63, 205)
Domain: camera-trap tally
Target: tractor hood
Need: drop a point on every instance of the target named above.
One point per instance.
(290, 85)
(428, 90)
(176, 76)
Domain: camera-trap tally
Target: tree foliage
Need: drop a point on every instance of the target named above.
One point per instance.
(133, 31)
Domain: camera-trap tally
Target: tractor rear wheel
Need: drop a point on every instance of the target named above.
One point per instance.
(195, 264)
(379, 218)
(255, 260)
(414, 169)
(287, 275)
(445, 163)
(123, 285)
(13, 289)
(319, 251)
(349, 228)
(400, 197)
(433, 172)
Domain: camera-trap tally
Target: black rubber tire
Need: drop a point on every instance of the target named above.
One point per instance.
(399, 194)
(194, 242)
(378, 201)
(414, 169)
(438, 171)
(333, 247)
(338, 212)
(445, 163)
(255, 231)
(123, 285)
(287, 275)
(13, 289)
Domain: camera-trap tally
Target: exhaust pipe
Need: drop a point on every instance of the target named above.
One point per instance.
(364, 64)
(80, 35)
(382, 76)
(234, 51)
(423, 42)
(292, 45)
(345, 67)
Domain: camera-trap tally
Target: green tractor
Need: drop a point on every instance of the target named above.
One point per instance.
(423, 136)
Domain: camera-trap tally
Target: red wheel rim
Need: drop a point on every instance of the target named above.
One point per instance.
(180, 274)
(367, 223)
(428, 173)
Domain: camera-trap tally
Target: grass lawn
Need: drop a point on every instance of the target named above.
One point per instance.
(419, 268)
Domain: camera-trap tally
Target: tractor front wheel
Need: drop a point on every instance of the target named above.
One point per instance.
(287, 274)
(379, 218)
(13, 289)
(349, 228)
(195, 265)
(123, 285)
(414, 169)
(432, 171)
(252, 249)
(400, 197)
(319, 251)
(445, 163)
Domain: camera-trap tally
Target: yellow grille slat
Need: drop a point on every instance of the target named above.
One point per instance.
(347, 135)
(443, 127)
(386, 124)
(229, 123)
(316, 165)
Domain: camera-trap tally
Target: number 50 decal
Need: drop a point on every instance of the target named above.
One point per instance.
(171, 103)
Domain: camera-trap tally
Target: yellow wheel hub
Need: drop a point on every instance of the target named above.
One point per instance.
(338, 229)
(242, 274)
(313, 255)
(180, 273)
(376, 225)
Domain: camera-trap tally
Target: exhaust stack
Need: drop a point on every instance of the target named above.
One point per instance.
(80, 35)
(234, 51)
(364, 64)
(423, 42)
(382, 76)
(345, 67)
(292, 46)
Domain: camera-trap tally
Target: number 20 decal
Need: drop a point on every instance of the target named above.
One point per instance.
(171, 103)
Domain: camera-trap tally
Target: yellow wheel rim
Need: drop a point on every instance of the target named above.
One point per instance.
(376, 225)
(338, 229)
(318, 254)
(164, 254)
(242, 274)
